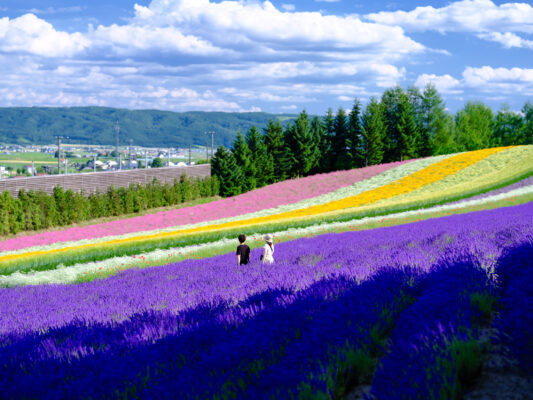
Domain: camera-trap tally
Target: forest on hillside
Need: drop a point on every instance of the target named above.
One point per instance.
(147, 128)
(402, 124)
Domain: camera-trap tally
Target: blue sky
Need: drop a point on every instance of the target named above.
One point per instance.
(273, 56)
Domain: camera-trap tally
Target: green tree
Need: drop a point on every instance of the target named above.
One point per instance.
(243, 158)
(527, 136)
(340, 141)
(407, 129)
(373, 131)
(355, 135)
(474, 127)
(319, 143)
(300, 144)
(433, 122)
(156, 163)
(228, 173)
(326, 147)
(263, 168)
(508, 128)
(275, 145)
(391, 102)
(444, 140)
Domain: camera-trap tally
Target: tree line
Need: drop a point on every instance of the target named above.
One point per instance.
(402, 124)
(35, 210)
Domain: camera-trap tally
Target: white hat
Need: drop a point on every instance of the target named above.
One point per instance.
(268, 237)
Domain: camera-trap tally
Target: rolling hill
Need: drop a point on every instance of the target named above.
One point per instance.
(149, 128)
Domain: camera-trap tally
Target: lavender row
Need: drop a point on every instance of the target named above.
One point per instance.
(185, 285)
(431, 337)
(515, 324)
(142, 347)
(199, 361)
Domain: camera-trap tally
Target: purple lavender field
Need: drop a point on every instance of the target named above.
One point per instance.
(399, 308)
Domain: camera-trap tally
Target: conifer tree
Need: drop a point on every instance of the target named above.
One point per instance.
(373, 131)
(407, 130)
(319, 141)
(275, 145)
(340, 141)
(243, 158)
(355, 136)
(390, 101)
(228, 173)
(327, 146)
(300, 144)
(434, 129)
(263, 170)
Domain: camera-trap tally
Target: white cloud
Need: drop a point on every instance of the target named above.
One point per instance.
(29, 34)
(507, 39)
(443, 83)
(288, 7)
(485, 79)
(462, 16)
(130, 39)
(231, 22)
(489, 79)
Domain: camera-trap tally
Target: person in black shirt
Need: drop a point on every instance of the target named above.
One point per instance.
(243, 251)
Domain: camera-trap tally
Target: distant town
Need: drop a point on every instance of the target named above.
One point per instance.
(37, 160)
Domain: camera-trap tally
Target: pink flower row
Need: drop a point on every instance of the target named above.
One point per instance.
(280, 193)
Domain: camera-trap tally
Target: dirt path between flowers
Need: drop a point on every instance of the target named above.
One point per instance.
(501, 377)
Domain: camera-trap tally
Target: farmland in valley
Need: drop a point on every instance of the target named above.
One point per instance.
(385, 278)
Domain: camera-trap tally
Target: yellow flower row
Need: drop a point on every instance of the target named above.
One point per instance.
(500, 167)
(426, 176)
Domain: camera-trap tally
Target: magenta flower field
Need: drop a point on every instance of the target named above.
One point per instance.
(278, 194)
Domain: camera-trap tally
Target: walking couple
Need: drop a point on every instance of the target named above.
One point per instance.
(243, 251)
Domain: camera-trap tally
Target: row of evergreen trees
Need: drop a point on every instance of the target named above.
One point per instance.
(403, 124)
(38, 210)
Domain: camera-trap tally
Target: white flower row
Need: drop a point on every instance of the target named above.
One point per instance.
(374, 182)
(70, 274)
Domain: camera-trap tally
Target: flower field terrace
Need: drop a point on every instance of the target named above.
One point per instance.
(312, 325)
(280, 193)
(388, 193)
(84, 272)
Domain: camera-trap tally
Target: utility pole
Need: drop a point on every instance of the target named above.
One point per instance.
(146, 159)
(189, 154)
(117, 130)
(130, 161)
(32, 168)
(168, 156)
(120, 162)
(94, 163)
(59, 152)
(212, 143)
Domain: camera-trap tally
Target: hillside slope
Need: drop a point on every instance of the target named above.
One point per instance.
(149, 128)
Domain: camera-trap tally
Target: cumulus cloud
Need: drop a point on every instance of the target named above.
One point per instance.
(29, 34)
(462, 16)
(484, 79)
(518, 80)
(498, 23)
(507, 39)
(232, 22)
(443, 83)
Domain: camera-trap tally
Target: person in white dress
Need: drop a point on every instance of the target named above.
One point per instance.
(268, 250)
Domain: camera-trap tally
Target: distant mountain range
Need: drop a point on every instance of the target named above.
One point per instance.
(148, 128)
